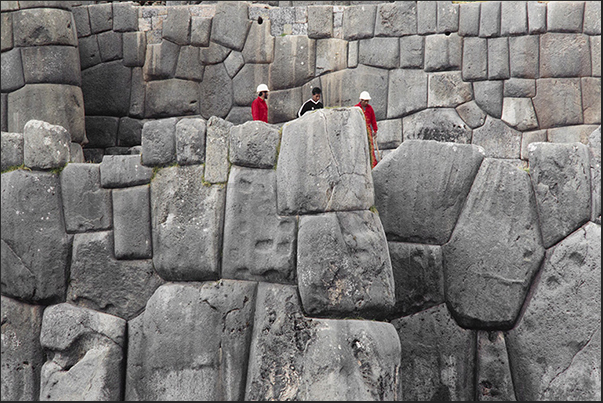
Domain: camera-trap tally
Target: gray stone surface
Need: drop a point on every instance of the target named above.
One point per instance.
(12, 70)
(495, 249)
(565, 16)
(110, 45)
(536, 17)
(189, 67)
(45, 146)
(498, 139)
(129, 132)
(86, 206)
(160, 60)
(353, 54)
(513, 18)
(43, 26)
(561, 178)
(76, 153)
(359, 21)
(427, 17)
(294, 61)
(332, 55)
(379, 52)
(85, 353)
(233, 63)
(594, 143)
(132, 223)
(216, 150)
(254, 144)
(430, 339)
(494, 381)
(390, 133)
(186, 223)
(471, 114)
(89, 52)
(320, 21)
(475, 59)
(323, 164)
(411, 51)
(448, 90)
(35, 246)
(315, 359)
(554, 350)
(82, 21)
(51, 64)
(239, 115)
(564, 55)
(177, 97)
(118, 171)
(558, 102)
(12, 150)
(418, 276)
(570, 134)
(283, 105)
(217, 91)
(200, 31)
(31, 102)
(440, 124)
(396, 19)
(528, 138)
(519, 113)
(343, 268)
(245, 83)
(230, 24)
(125, 16)
(105, 89)
(101, 17)
(213, 53)
(592, 18)
(519, 88)
(489, 21)
(101, 131)
(591, 99)
(489, 96)
(22, 354)
(524, 56)
(498, 58)
(190, 141)
(443, 52)
(159, 142)
(6, 32)
(259, 46)
(469, 19)
(417, 198)
(176, 26)
(448, 17)
(100, 282)
(200, 350)
(259, 245)
(413, 98)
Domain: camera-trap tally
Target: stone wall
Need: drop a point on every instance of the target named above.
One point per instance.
(210, 257)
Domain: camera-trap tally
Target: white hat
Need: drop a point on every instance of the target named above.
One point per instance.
(262, 87)
(365, 95)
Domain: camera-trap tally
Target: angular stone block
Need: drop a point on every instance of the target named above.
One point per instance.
(45, 146)
(43, 26)
(22, 354)
(190, 141)
(430, 341)
(134, 48)
(448, 90)
(189, 67)
(192, 342)
(558, 102)
(498, 59)
(513, 18)
(254, 144)
(379, 52)
(332, 55)
(475, 59)
(176, 25)
(471, 114)
(118, 171)
(489, 96)
(492, 367)
(469, 19)
(259, 245)
(536, 136)
(284, 105)
(561, 178)
(51, 64)
(186, 223)
(89, 52)
(294, 61)
(110, 45)
(82, 21)
(132, 223)
(495, 249)
(100, 282)
(129, 132)
(565, 16)
(233, 63)
(407, 92)
(217, 90)
(160, 60)
(200, 31)
(87, 207)
(230, 24)
(213, 53)
(498, 139)
(85, 353)
(390, 133)
(536, 17)
(12, 70)
(519, 88)
(439, 124)
(396, 19)
(323, 164)
(519, 113)
(244, 84)
(564, 55)
(359, 21)
(427, 17)
(101, 17)
(159, 142)
(259, 46)
(125, 16)
(411, 51)
(320, 21)
(594, 144)
(12, 150)
(216, 150)
(35, 246)
(447, 17)
(106, 89)
(101, 131)
(591, 99)
(417, 198)
(31, 103)
(443, 52)
(177, 97)
(555, 347)
(592, 18)
(489, 20)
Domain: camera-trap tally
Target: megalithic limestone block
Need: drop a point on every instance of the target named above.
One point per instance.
(323, 163)
(85, 354)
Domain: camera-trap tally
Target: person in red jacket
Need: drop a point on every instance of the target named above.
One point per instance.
(259, 108)
(371, 126)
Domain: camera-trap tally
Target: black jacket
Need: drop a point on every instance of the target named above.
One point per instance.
(309, 105)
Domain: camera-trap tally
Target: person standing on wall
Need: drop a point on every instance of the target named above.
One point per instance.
(312, 103)
(259, 108)
(371, 126)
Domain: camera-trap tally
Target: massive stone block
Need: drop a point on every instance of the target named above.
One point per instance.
(176, 26)
(379, 52)
(174, 97)
(118, 171)
(159, 142)
(419, 197)
(43, 26)
(216, 150)
(98, 281)
(86, 206)
(283, 105)
(245, 83)
(594, 143)
(132, 223)
(259, 245)
(555, 349)
(439, 124)
(438, 357)
(448, 90)
(294, 61)
(295, 358)
(343, 265)
(254, 144)
(489, 96)
(85, 354)
(396, 19)
(45, 146)
(190, 141)
(359, 21)
(186, 222)
(475, 58)
(407, 92)
(443, 52)
(564, 55)
(12, 70)
(160, 60)
(106, 89)
(230, 24)
(192, 342)
(35, 246)
(22, 354)
(524, 56)
(494, 380)
(561, 178)
(259, 46)
(495, 248)
(331, 55)
(498, 139)
(558, 102)
(323, 163)
(31, 103)
(519, 113)
(51, 64)
(12, 150)
(217, 91)
(513, 18)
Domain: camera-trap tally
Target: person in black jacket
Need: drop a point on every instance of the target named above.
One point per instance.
(312, 103)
